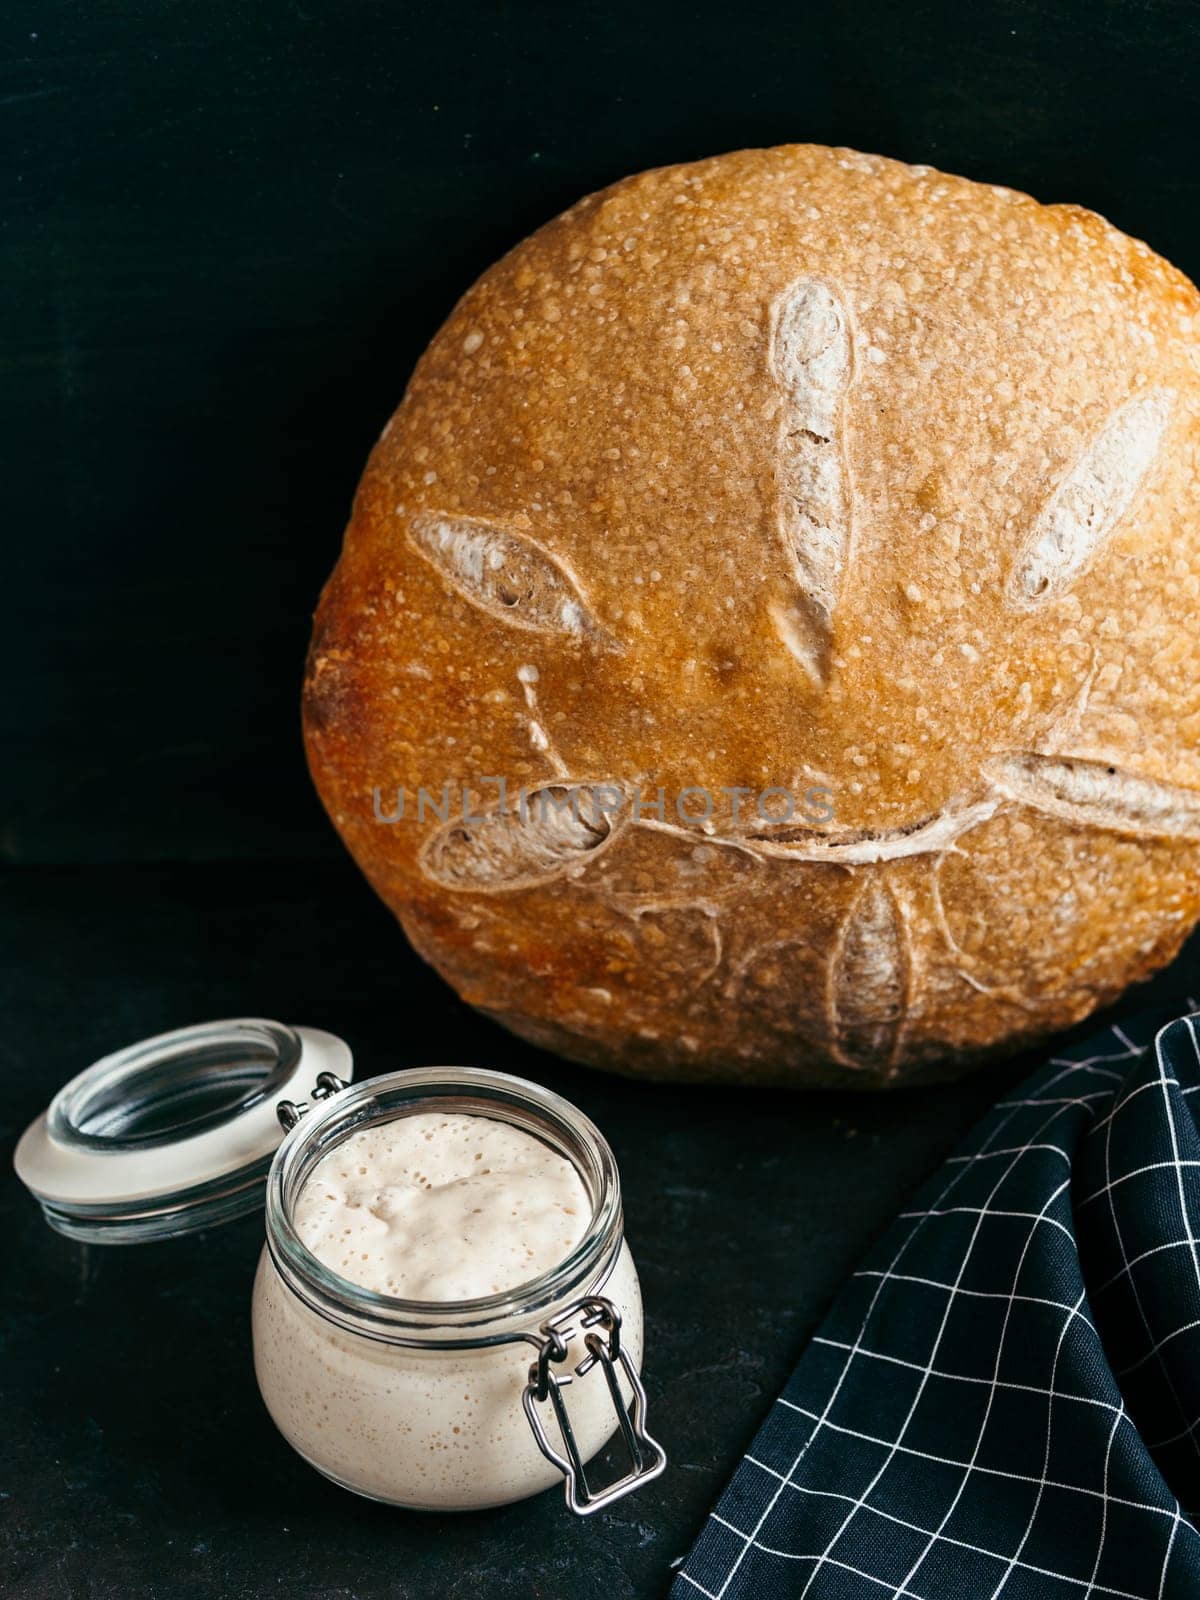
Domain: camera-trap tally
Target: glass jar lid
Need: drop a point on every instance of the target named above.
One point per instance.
(174, 1133)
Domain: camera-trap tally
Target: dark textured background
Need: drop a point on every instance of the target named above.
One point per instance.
(228, 230)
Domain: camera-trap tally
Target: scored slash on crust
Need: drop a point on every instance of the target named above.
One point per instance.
(869, 978)
(1098, 795)
(1091, 500)
(812, 361)
(504, 573)
(562, 825)
(554, 829)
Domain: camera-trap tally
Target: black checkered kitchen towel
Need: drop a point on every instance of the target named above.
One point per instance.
(1005, 1400)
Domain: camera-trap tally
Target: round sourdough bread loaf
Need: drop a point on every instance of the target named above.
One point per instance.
(854, 508)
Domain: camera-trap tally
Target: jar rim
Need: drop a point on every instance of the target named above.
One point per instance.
(470, 1091)
(175, 1085)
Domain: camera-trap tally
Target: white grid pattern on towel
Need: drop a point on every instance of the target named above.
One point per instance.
(714, 1566)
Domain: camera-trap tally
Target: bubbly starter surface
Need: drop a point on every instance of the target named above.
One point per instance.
(430, 1207)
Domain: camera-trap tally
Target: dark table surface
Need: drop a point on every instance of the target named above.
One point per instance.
(138, 1459)
(228, 231)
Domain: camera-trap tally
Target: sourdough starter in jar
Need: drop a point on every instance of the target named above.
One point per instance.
(430, 1207)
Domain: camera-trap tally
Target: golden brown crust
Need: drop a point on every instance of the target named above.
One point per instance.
(803, 469)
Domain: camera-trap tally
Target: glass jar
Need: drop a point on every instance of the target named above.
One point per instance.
(434, 1404)
(424, 1404)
